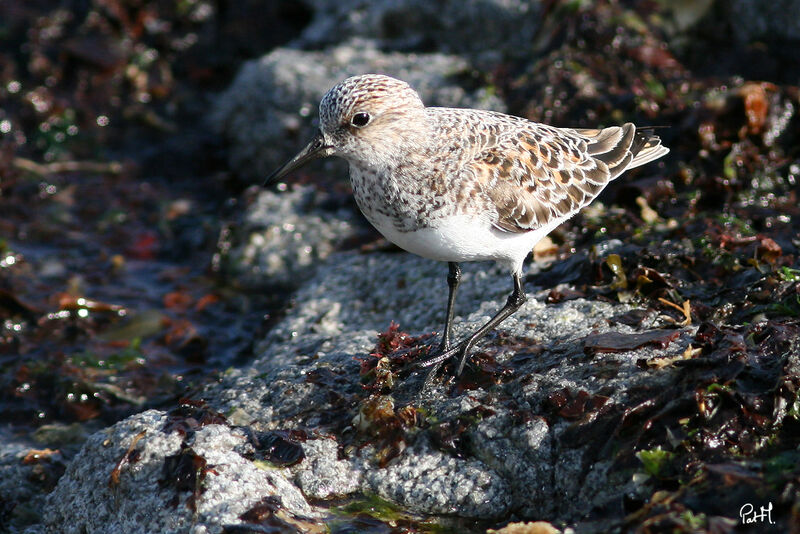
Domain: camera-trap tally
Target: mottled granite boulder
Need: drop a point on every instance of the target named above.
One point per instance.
(470, 451)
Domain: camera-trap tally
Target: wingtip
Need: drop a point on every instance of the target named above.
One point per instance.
(649, 148)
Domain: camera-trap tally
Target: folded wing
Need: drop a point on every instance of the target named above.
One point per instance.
(541, 174)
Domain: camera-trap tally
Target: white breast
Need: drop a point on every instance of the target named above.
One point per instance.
(460, 238)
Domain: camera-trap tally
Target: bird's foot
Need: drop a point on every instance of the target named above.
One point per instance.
(445, 353)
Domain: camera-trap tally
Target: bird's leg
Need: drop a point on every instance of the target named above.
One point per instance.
(516, 299)
(453, 278)
(513, 303)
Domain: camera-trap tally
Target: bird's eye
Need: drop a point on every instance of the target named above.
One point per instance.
(360, 119)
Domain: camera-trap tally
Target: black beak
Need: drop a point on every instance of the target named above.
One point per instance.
(314, 150)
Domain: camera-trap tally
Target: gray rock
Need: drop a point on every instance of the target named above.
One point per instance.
(510, 466)
(428, 481)
(24, 485)
(744, 21)
(283, 236)
(752, 20)
(483, 30)
(88, 500)
(308, 378)
(268, 113)
(322, 475)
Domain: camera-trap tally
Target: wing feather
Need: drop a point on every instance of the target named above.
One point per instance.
(536, 174)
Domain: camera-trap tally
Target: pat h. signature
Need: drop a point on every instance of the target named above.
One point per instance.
(749, 515)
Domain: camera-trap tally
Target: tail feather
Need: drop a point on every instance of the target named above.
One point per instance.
(646, 147)
(623, 147)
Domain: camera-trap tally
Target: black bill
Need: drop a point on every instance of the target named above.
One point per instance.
(314, 150)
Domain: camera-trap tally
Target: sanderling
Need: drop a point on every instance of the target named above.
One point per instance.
(460, 185)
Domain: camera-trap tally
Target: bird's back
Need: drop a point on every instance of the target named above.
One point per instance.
(534, 174)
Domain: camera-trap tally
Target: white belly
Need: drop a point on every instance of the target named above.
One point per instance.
(460, 238)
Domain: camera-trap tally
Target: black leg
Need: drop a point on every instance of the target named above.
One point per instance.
(453, 278)
(516, 299)
(513, 303)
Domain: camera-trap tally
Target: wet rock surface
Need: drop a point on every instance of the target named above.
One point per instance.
(492, 444)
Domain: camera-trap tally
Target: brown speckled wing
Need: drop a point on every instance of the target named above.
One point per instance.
(541, 174)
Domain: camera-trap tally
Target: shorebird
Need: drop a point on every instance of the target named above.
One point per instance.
(459, 185)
